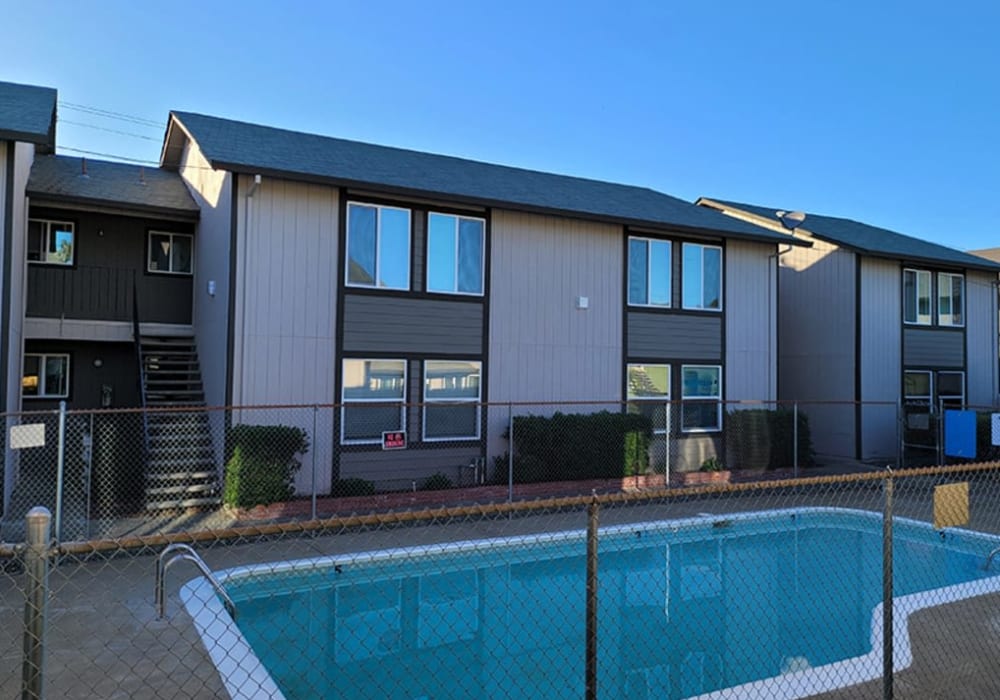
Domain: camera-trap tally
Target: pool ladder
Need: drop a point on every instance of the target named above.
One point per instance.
(175, 552)
(989, 558)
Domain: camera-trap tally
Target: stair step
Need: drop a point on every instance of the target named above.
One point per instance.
(180, 462)
(180, 489)
(185, 503)
(182, 476)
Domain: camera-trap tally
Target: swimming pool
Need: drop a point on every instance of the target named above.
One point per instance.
(772, 604)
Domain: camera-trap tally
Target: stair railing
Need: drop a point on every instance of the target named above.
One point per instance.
(137, 339)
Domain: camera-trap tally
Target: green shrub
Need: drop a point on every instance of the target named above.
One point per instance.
(436, 482)
(343, 488)
(262, 463)
(565, 447)
(765, 439)
(712, 464)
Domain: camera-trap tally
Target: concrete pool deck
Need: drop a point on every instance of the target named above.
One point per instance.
(104, 640)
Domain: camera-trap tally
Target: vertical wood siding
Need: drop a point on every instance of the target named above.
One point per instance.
(542, 347)
(881, 371)
(816, 330)
(981, 338)
(751, 322)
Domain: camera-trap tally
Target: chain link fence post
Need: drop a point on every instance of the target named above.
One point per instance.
(795, 439)
(887, 589)
(591, 662)
(510, 453)
(60, 468)
(315, 448)
(36, 564)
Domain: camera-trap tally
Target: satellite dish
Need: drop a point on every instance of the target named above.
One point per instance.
(791, 219)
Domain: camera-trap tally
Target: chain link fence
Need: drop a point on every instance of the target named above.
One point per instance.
(758, 589)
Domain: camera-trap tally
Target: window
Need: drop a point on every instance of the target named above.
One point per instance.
(378, 246)
(951, 389)
(701, 410)
(950, 299)
(649, 394)
(45, 376)
(455, 254)
(917, 297)
(918, 390)
(374, 394)
(648, 272)
(917, 386)
(451, 400)
(702, 288)
(50, 242)
(170, 252)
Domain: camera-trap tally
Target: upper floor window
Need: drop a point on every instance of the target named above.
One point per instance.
(50, 242)
(455, 254)
(45, 376)
(917, 297)
(374, 395)
(951, 289)
(378, 246)
(649, 394)
(170, 252)
(702, 287)
(648, 272)
(451, 400)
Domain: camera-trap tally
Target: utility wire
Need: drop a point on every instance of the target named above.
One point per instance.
(110, 131)
(97, 111)
(143, 161)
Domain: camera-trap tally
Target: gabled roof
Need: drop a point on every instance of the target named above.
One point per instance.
(28, 114)
(67, 179)
(864, 238)
(253, 149)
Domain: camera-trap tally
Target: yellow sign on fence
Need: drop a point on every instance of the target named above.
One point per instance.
(951, 505)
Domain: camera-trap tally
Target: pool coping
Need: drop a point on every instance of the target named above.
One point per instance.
(245, 678)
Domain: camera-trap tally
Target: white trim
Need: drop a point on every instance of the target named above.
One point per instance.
(916, 300)
(171, 235)
(665, 400)
(937, 308)
(46, 233)
(649, 273)
(482, 256)
(477, 402)
(36, 328)
(702, 399)
(378, 245)
(702, 247)
(44, 357)
(354, 402)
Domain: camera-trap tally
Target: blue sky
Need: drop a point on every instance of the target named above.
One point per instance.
(882, 112)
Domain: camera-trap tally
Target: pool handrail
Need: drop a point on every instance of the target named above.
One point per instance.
(989, 558)
(179, 551)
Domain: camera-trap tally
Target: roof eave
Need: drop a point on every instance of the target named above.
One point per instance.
(43, 198)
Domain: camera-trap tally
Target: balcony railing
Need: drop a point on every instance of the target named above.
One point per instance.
(82, 292)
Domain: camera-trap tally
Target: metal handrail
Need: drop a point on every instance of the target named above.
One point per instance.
(183, 551)
(137, 341)
(989, 558)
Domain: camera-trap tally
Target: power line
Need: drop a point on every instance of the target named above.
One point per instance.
(110, 131)
(143, 161)
(97, 111)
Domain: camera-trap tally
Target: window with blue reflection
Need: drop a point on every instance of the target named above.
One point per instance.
(648, 272)
(378, 246)
(702, 277)
(455, 254)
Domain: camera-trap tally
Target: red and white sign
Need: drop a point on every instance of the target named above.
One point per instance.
(394, 440)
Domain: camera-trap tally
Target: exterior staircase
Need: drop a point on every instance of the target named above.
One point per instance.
(181, 469)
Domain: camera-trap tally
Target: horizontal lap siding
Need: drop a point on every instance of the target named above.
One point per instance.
(668, 336)
(400, 469)
(933, 348)
(412, 326)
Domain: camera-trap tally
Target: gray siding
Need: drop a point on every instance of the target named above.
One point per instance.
(881, 374)
(981, 338)
(751, 322)
(542, 347)
(932, 347)
(24, 155)
(408, 325)
(401, 469)
(669, 336)
(816, 331)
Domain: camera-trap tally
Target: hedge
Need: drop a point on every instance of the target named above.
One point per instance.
(565, 447)
(262, 463)
(764, 439)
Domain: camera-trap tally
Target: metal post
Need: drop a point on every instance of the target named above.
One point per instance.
(940, 433)
(887, 590)
(36, 565)
(900, 432)
(315, 411)
(795, 439)
(591, 662)
(60, 468)
(510, 453)
(89, 466)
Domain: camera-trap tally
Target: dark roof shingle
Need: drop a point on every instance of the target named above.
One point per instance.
(28, 113)
(869, 239)
(251, 148)
(65, 178)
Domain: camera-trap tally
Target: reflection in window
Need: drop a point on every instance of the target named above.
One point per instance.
(45, 376)
(917, 297)
(648, 272)
(374, 393)
(950, 299)
(451, 400)
(378, 246)
(649, 394)
(701, 410)
(50, 242)
(702, 288)
(170, 252)
(455, 254)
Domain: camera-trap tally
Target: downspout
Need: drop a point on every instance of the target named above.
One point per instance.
(771, 316)
(243, 283)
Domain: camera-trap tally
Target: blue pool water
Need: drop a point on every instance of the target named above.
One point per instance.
(686, 608)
